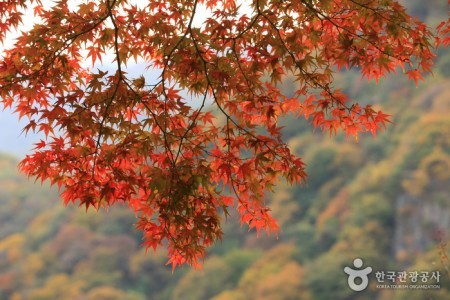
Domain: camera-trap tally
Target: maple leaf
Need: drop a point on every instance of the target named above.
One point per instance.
(414, 75)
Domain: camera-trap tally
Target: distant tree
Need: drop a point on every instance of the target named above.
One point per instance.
(111, 137)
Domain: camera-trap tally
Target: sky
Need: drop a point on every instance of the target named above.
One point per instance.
(11, 139)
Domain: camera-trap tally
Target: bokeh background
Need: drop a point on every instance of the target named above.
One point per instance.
(385, 200)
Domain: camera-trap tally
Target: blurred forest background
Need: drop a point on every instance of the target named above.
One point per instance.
(384, 200)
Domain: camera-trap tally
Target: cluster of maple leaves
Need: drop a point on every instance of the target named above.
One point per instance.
(115, 138)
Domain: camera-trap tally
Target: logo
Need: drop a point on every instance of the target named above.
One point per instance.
(358, 273)
(358, 278)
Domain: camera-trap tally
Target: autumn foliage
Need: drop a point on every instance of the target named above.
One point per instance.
(203, 136)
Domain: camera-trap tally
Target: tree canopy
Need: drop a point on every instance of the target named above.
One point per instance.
(183, 147)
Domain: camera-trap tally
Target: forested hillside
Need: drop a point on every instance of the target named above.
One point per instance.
(385, 200)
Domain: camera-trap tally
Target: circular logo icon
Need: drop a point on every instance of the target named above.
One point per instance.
(358, 273)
